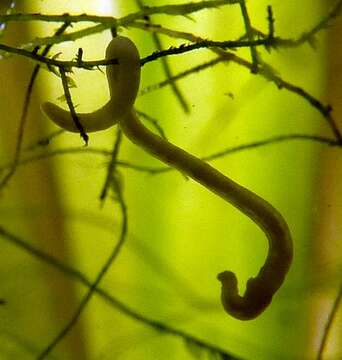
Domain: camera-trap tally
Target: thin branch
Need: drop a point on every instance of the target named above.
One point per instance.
(250, 35)
(305, 37)
(271, 141)
(254, 145)
(111, 166)
(158, 170)
(59, 63)
(24, 17)
(154, 122)
(328, 325)
(106, 22)
(72, 36)
(172, 10)
(181, 75)
(266, 72)
(88, 65)
(206, 44)
(92, 289)
(263, 70)
(24, 112)
(169, 75)
(310, 35)
(71, 106)
(73, 151)
(180, 9)
(166, 67)
(325, 110)
(129, 20)
(120, 306)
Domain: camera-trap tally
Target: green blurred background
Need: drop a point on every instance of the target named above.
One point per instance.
(179, 234)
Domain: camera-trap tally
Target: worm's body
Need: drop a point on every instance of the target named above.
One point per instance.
(123, 80)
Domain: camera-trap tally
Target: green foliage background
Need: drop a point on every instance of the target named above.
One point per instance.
(180, 235)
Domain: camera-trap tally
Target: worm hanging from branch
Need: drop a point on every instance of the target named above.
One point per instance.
(123, 80)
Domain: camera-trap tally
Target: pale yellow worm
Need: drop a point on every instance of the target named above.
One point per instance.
(123, 80)
(123, 84)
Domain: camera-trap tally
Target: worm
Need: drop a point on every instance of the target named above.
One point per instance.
(123, 81)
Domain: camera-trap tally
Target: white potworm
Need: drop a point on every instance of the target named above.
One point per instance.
(123, 81)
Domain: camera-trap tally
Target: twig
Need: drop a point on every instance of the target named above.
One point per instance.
(254, 145)
(264, 70)
(166, 67)
(250, 35)
(24, 17)
(54, 62)
(111, 22)
(120, 306)
(180, 9)
(309, 35)
(154, 122)
(158, 170)
(23, 118)
(328, 325)
(126, 21)
(180, 76)
(71, 106)
(88, 65)
(111, 166)
(270, 20)
(72, 151)
(325, 110)
(229, 44)
(99, 277)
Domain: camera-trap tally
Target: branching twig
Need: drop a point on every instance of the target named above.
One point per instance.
(158, 170)
(250, 35)
(229, 44)
(71, 106)
(168, 72)
(88, 65)
(111, 22)
(180, 9)
(310, 35)
(102, 23)
(120, 306)
(217, 48)
(73, 151)
(54, 62)
(23, 118)
(254, 145)
(263, 70)
(180, 76)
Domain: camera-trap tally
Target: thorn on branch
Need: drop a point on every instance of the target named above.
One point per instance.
(79, 56)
